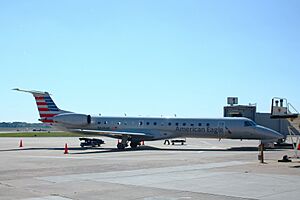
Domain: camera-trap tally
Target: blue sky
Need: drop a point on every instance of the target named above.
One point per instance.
(148, 58)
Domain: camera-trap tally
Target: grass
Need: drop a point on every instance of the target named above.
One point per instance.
(42, 134)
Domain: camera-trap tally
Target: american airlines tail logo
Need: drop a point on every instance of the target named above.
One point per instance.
(46, 107)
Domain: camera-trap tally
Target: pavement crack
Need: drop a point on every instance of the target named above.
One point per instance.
(6, 185)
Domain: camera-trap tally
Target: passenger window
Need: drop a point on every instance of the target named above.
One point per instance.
(192, 124)
(99, 122)
(147, 123)
(183, 124)
(169, 123)
(176, 124)
(106, 122)
(140, 123)
(207, 124)
(119, 123)
(154, 123)
(199, 124)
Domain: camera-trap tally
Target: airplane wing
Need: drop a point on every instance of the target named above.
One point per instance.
(111, 133)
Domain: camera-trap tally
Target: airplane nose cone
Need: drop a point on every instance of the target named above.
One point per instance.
(267, 133)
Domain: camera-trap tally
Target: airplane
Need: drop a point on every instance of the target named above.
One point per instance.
(137, 129)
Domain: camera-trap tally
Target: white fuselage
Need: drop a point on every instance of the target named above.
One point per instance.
(137, 129)
(164, 128)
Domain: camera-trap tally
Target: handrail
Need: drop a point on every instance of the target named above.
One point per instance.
(288, 105)
(292, 107)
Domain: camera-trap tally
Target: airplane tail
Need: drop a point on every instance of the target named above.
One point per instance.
(46, 106)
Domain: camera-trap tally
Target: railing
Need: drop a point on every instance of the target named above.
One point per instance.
(281, 108)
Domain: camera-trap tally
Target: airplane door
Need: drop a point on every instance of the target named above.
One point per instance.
(221, 129)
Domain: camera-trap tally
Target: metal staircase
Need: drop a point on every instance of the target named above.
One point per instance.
(281, 108)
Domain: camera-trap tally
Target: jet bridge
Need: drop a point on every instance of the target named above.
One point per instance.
(281, 108)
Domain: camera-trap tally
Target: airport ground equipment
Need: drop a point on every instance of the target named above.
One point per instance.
(285, 158)
(91, 142)
(281, 108)
(181, 141)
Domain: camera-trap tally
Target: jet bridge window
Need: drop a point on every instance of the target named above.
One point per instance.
(249, 123)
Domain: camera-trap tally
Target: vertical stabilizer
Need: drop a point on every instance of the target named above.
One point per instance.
(46, 106)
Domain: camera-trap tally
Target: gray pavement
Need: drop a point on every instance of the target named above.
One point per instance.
(202, 169)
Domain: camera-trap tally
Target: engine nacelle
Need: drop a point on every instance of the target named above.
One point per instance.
(73, 119)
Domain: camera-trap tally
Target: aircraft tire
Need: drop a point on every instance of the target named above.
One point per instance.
(121, 146)
(133, 145)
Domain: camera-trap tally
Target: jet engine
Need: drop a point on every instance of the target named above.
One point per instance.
(73, 119)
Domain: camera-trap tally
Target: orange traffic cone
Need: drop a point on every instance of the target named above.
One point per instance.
(66, 149)
(21, 144)
(298, 148)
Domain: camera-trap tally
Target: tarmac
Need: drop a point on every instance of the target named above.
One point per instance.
(201, 169)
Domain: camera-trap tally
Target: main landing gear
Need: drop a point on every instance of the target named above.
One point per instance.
(122, 146)
(124, 143)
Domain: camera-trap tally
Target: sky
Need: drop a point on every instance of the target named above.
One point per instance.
(148, 57)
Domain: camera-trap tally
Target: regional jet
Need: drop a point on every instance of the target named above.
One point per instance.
(133, 130)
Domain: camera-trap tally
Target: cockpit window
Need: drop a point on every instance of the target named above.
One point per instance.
(249, 123)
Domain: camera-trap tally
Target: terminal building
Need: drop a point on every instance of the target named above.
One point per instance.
(264, 119)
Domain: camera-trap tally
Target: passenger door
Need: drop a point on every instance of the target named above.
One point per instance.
(221, 129)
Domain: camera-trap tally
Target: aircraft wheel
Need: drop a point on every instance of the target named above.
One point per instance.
(133, 145)
(121, 146)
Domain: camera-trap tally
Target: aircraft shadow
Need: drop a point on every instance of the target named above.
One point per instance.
(40, 148)
(97, 150)
(150, 148)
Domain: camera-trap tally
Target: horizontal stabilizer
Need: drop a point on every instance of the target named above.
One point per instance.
(32, 91)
